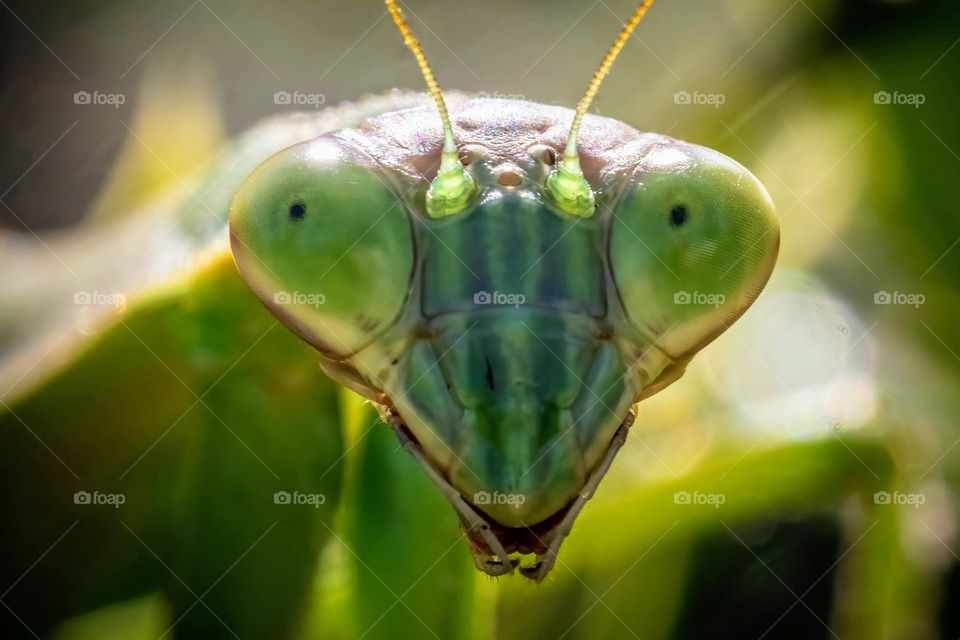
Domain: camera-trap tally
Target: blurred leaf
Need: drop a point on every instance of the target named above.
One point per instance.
(177, 128)
(147, 618)
(169, 408)
(413, 572)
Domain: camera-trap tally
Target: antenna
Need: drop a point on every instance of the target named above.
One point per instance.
(453, 187)
(566, 183)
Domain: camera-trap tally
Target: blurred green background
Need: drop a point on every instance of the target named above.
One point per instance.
(799, 482)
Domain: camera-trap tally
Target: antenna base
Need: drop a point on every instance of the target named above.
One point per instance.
(451, 191)
(570, 190)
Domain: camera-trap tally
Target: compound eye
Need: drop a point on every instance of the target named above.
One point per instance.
(692, 242)
(324, 243)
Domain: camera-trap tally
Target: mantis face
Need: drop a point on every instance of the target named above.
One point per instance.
(507, 342)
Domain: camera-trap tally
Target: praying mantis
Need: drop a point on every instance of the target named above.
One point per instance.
(503, 280)
(517, 411)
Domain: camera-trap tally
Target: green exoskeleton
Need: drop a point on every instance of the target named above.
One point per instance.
(508, 309)
(504, 283)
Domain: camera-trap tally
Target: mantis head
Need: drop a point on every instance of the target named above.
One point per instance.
(507, 313)
(508, 341)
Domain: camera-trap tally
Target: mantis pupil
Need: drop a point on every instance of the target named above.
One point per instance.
(678, 215)
(297, 211)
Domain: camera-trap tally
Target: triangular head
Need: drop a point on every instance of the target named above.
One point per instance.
(507, 342)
